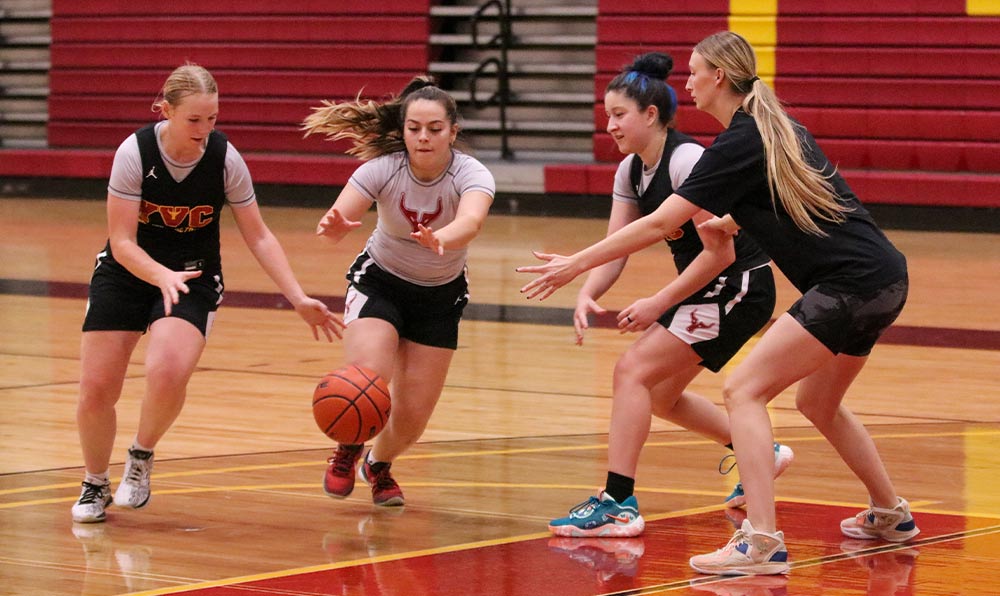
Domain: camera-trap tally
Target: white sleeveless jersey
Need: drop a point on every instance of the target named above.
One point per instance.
(403, 202)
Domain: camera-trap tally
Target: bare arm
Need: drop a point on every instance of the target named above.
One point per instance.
(718, 252)
(473, 208)
(272, 259)
(560, 270)
(601, 278)
(344, 216)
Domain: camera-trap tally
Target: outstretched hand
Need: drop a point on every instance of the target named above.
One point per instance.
(426, 237)
(558, 271)
(334, 226)
(318, 316)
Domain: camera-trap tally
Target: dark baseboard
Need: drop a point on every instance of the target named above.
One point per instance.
(890, 217)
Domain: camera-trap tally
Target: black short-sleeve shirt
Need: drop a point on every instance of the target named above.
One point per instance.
(731, 177)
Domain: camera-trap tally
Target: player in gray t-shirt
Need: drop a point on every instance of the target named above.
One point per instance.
(408, 288)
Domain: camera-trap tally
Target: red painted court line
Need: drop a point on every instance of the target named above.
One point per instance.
(656, 562)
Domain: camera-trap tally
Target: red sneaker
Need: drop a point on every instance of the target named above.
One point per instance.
(338, 482)
(385, 491)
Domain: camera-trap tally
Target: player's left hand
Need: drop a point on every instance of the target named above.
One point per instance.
(639, 315)
(318, 316)
(723, 225)
(428, 239)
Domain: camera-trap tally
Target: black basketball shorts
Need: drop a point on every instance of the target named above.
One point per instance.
(120, 301)
(427, 315)
(848, 323)
(718, 319)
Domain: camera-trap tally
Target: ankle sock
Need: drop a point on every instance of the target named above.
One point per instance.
(619, 487)
(97, 479)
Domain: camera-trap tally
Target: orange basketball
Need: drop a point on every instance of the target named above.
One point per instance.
(351, 404)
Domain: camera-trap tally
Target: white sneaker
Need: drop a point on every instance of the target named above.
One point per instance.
(894, 525)
(133, 492)
(748, 552)
(94, 499)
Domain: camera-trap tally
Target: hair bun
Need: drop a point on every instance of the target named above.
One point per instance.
(655, 65)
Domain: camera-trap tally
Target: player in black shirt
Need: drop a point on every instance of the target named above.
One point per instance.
(161, 272)
(767, 172)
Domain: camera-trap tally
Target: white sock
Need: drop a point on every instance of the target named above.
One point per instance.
(136, 445)
(97, 479)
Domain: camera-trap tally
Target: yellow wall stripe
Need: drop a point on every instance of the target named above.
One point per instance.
(757, 21)
(982, 7)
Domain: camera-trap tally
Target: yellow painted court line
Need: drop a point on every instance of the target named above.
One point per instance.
(455, 454)
(522, 538)
(342, 564)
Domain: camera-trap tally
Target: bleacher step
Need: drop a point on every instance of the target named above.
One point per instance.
(541, 98)
(538, 11)
(549, 127)
(517, 69)
(539, 41)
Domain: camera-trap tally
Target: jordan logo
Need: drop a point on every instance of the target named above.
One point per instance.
(696, 324)
(152, 173)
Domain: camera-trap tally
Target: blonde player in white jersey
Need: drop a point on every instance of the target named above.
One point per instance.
(408, 288)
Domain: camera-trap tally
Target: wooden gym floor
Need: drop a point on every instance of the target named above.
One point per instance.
(518, 438)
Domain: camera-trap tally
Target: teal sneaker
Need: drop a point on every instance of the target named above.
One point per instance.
(601, 516)
(783, 456)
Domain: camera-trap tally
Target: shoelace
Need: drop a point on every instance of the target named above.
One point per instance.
(731, 466)
(138, 465)
(343, 460)
(91, 493)
(382, 480)
(739, 536)
(590, 503)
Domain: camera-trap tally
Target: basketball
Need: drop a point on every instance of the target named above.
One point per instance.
(351, 404)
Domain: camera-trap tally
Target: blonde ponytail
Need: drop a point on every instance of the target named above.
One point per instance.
(805, 193)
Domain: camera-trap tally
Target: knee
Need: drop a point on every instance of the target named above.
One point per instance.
(630, 371)
(163, 378)
(815, 411)
(735, 395)
(98, 392)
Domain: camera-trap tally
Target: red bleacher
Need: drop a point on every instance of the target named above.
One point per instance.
(273, 62)
(900, 94)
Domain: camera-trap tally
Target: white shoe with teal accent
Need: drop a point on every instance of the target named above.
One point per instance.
(783, 456)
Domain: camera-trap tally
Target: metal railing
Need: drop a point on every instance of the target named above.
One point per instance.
(503, 40)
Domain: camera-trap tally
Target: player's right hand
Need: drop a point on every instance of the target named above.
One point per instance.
(584, 306)
(334, 226)
(172, 284)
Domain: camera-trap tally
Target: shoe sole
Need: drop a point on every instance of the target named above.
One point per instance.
(891, 536)
(392, 502)
(736, 503)
(127, 505)
(335, 495)
(606, 531)
(758, 569)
